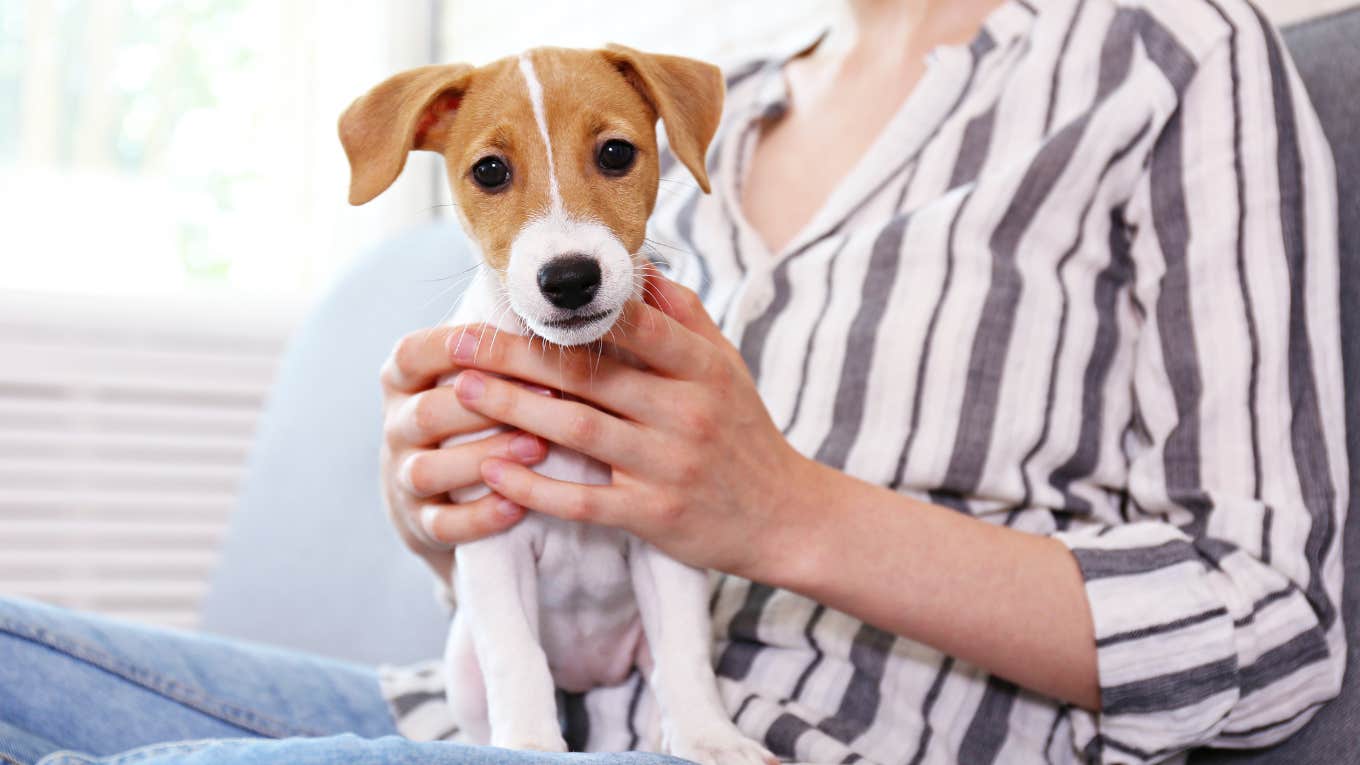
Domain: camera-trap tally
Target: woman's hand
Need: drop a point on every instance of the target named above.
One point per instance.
(417, 475)
(699, 468)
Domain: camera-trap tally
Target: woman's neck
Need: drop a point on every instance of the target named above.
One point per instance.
(886, 32)
(842, 95)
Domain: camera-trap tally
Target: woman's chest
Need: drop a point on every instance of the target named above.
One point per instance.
(837, 123)
(964, 302)
(885, 348)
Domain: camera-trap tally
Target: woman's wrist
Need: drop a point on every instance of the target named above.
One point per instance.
(798, 547)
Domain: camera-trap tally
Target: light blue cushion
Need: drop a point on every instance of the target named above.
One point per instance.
(310, 561)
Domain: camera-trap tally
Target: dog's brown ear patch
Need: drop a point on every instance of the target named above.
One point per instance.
(686, 94)
(411, 110)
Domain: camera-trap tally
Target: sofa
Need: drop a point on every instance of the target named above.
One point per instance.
(311, 563)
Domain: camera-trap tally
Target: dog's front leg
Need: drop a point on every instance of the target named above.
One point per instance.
(673, 600)
(497, 581)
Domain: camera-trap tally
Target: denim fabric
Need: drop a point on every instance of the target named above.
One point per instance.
(348, 749)
(79, 690)
(19, 747)
(94, 685)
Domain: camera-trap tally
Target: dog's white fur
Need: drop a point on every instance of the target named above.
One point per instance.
(552, 603)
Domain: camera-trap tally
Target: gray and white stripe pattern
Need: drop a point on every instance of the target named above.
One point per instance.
(1084, 285)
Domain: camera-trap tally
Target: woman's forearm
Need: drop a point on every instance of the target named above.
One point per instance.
(1008, 601)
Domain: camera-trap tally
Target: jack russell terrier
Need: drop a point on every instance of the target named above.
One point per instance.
(552, 157)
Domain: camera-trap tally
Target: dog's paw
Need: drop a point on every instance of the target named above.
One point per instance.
(525, 739)
(718, 746)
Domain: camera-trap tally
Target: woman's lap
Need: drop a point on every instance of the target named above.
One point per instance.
(94, 690)
(94, 685)
(350, 750)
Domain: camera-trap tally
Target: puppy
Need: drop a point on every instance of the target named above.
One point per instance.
(552, 157)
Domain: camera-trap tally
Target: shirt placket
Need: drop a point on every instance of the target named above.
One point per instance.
(755, 290)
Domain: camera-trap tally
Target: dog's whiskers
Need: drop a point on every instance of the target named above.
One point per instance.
(640, 273)
(656, 259)
(657, 294)
(465, 271)
(497, 330)
(461, 283)
(599, 355)
(445, 317)
(497, 313)
(667, 245)
(561, 355)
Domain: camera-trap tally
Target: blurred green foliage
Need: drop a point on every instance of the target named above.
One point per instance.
(135, 88)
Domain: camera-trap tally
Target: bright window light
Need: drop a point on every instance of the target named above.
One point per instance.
(158, 147)
(152, 147)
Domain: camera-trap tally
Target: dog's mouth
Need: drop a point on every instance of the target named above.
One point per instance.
(581, 329)
(576, 322)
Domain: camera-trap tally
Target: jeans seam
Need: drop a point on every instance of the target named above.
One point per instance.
(249, 720)
(140, 753)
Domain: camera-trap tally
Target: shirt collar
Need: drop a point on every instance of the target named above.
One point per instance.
(1006, 23)
(772, 90)
(1010, 20)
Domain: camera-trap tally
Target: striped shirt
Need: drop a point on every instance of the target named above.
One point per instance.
(1084, 284)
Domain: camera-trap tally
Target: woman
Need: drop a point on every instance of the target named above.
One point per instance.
(1016, 431)
(1064, 306)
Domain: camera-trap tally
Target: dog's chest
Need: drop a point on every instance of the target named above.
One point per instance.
(580, 567)
(588, 618)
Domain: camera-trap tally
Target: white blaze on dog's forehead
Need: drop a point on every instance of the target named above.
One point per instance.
(553, 233)
(526, 68)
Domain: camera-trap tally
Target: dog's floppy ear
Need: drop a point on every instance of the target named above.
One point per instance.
(686, 94)
(411, 110)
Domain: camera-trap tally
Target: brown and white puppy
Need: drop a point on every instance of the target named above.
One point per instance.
(552, 157)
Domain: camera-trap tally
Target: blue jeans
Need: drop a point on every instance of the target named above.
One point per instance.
(78, 689)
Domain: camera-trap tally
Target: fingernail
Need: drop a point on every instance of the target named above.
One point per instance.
(507, 508)
(466, 347)
(492, 471)
(427, 517)
(470, 386)
(525, 447)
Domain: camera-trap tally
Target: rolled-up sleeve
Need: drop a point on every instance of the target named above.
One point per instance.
(1216, 607)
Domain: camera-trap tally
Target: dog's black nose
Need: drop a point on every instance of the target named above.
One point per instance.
(570, 281)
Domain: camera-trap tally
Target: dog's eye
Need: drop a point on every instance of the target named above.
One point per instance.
(616, 156)
(491, 173)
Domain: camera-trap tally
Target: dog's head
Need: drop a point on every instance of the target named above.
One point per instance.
(552, 159)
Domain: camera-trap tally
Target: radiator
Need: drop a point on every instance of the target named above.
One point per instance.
(124, 427)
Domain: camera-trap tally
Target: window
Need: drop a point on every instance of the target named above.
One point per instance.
(722, 31)
(168, 146)
(160, 147)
